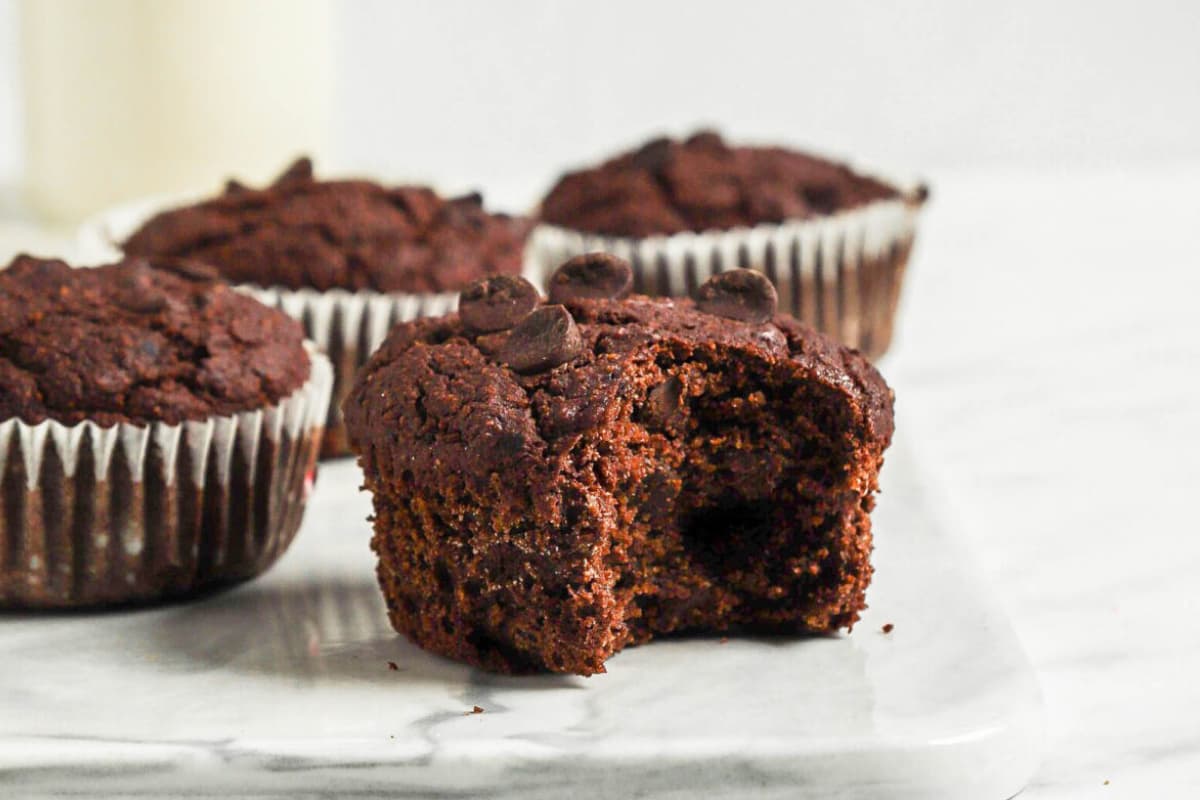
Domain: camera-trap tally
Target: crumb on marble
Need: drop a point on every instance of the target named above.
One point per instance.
(1106, 781)
(888, 627)
(393, 666)
(474, 710)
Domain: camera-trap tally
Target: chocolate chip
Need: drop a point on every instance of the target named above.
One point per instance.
(664, 406)
(301, 171)
(653, 155)
(589, 276)
(141, 300)
(496, 303)
(189, 270)
(543, 340)
(740, 294)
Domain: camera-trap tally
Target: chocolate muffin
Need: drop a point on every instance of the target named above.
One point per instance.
(555, 481)
(158, 432)
(834, 241)
(349, 258)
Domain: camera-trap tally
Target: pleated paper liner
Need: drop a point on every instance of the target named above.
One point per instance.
(349, 327)
(93, 516)
(841, 274)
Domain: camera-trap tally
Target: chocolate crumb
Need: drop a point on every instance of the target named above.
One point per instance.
(393, 666)
(474, 710)
(888, 627)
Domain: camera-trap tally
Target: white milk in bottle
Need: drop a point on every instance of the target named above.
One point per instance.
(130, 98)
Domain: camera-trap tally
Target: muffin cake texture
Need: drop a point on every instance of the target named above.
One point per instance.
(554, 481)
(702, 183)
(301, 233)
(834, 241)
(157, 430)
(348, 258)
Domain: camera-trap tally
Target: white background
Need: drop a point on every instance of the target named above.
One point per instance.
(503, 95)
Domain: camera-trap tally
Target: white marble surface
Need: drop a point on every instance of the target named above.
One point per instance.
(1047, 367)
(283, 686)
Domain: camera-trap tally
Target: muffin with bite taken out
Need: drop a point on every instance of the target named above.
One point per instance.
(557, 479)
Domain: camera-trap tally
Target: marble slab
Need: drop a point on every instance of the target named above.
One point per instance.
(283, 687)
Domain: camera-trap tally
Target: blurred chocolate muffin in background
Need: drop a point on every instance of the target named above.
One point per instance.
(834, 241)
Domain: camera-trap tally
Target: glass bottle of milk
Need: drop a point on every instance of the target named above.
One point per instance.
(132, 98)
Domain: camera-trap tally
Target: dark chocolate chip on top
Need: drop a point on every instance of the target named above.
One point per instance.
(496, 303)
(740, 294)
(664, 404)
(543, 340)
(591, 276)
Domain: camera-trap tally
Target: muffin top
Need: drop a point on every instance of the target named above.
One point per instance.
(348, 234)
(511, 377)
(701, 183)
(139, 341)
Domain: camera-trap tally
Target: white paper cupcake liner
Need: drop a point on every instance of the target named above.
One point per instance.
(347, 326)
(840, 273)
(93, 515)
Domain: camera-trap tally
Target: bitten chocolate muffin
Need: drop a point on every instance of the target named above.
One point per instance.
(157, 430)
(348, 258)
(834, 241)
(555, 481)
